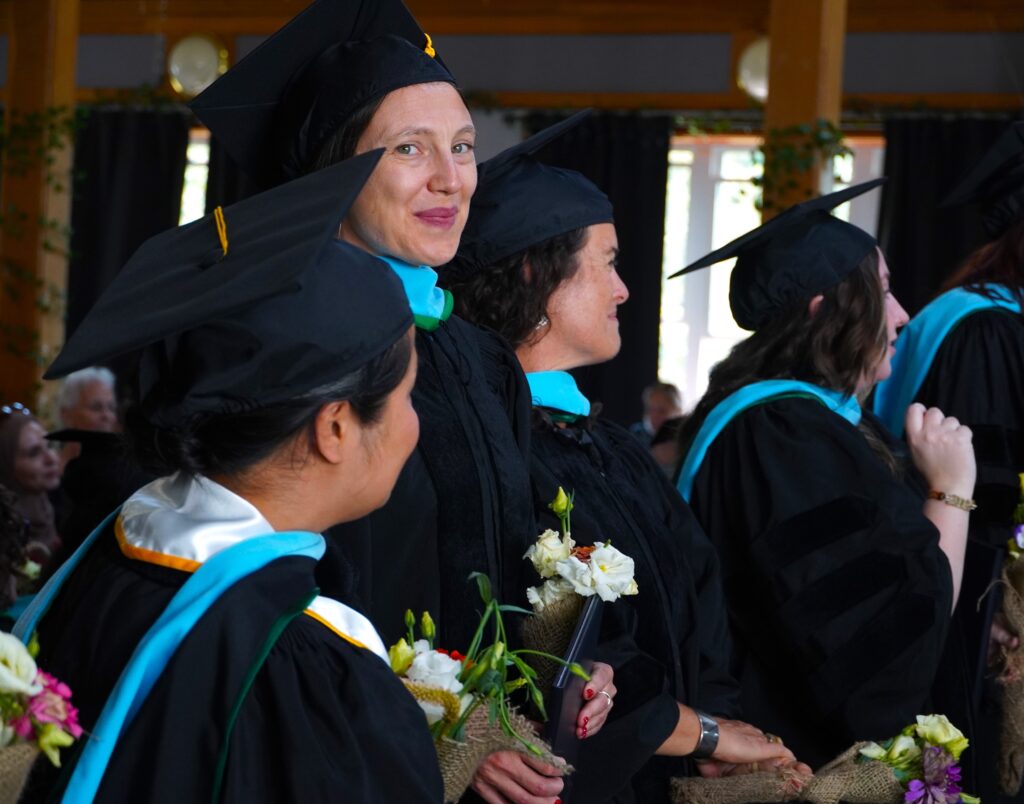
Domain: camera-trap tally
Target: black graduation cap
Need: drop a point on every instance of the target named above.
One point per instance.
(997, 182)
(252, 305)
(797, 254)
(276, 108)
(520, 201)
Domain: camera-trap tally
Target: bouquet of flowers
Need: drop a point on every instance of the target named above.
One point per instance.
(1011, 749)
(918, 766)
(571, 575)
(466, 696)
(35, 715)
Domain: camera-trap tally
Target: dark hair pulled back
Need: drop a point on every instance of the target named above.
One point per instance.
(511, 296)
(230, 443)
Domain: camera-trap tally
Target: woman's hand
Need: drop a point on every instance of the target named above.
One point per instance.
(508, 776)
(941, 449)
(1001, 639)
(600, 692)
(740, 743)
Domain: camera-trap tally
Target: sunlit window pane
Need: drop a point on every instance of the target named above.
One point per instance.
(197, 172)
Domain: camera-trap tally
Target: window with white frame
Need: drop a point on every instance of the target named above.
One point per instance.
(710, 201)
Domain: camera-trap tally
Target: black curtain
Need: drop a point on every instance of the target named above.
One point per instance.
(925, 158)
(627, 157)
(226, 183)
(129, 170)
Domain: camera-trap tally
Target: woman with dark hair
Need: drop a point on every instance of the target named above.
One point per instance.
(839, 574)
(13, 554)
(205, 664)
(343, 77)
(31, 470)
(538, 264)
(964, 352)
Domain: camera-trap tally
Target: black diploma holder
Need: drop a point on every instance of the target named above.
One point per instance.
(566, 699)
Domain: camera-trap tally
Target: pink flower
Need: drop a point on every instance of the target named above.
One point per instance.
(52, 705)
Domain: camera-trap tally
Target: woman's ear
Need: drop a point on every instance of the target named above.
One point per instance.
(334, 429)
(814, 305)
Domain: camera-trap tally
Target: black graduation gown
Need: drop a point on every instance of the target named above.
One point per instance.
(978, 376)
(463, 501)
(324, 720)
(677, 621)
(838, 594)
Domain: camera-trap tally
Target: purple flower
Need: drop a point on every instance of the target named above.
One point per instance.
(941, 779)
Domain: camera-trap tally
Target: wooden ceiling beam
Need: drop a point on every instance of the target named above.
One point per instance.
(491, 17)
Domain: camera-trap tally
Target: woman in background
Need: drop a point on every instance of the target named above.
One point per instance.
(964, 353)
(31, 470)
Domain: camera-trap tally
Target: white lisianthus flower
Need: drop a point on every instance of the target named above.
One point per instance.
(549, 549)
(578, 574)
(937, 730)
(613, 573)
(17, 668)
(436, 669)
(549, 592)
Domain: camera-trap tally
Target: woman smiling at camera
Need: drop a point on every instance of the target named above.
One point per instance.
(343, 78)
(839, 573)
(538, 264)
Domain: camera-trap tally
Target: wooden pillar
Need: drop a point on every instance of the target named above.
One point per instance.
(805, 74)
(35, 194)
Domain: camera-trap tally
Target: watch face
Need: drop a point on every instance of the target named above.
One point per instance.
(194, 63)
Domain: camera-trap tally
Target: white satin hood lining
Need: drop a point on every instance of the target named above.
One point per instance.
(195, 518)
(350, 623)
(189, 517)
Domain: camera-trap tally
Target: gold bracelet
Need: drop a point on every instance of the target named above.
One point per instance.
(963, 503)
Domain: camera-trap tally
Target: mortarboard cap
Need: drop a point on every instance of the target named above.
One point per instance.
(520, 201)
(283, 309)
(275, 109)
(997, 182)
(801, 252)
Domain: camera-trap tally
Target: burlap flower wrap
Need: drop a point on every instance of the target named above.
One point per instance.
(459, 760)
(843, 779)
(15, 763)
(1011, 741)
(550, 631)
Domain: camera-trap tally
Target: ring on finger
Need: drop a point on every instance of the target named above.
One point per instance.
(609, 697)
(772, 738)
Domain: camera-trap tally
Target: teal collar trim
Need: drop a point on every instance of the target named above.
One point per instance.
(919, 342)
(747, 397)
(557, 391)
(430, 304)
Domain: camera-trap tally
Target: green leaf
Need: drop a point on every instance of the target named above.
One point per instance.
(483, 584)
(508, 607)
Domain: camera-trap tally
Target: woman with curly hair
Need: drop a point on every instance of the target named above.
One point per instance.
(538, 264)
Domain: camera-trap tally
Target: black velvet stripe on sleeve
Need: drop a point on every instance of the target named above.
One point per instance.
(837, 591)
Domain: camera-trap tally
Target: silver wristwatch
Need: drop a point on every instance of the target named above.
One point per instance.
(708, 741)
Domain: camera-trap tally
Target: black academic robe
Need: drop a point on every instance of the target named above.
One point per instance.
(324, 720)
(838, 594)
(462, 503)
(677, 621)
(978, 376)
